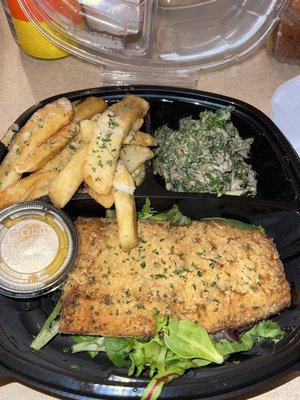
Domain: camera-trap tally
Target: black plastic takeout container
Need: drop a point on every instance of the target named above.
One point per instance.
(275, 208)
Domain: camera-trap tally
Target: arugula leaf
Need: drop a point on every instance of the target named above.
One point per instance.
(264, 330)
(118, 349)
(150, 354)
(184, 342)
(49, 329)
(161, 322)
(189, 340)
(174, 215)
(147, 211)
(175, 347)
(172, 359)
(235, 223)
(91, 344)
(268, 329)
(155, 386)
(198, 362)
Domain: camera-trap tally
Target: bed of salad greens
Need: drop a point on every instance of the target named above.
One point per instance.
(206, 155)
(177, 345)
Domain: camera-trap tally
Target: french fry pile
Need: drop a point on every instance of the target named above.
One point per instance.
(66, 144)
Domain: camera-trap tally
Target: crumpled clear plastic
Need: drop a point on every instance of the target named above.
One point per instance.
(285, 111)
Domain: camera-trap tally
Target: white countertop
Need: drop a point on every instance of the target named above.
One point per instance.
(24, 81)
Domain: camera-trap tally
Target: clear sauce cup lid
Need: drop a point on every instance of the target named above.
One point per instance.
(38, 246)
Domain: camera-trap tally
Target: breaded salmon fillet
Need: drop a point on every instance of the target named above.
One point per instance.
(209, 273)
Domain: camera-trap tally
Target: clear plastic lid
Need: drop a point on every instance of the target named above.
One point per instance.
(156, 37)
(38, 245)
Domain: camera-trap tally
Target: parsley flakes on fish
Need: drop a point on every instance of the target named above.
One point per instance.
(205, 155)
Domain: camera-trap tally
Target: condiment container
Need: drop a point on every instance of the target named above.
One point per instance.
(29, 38)
(157, 41)
(38, 245)
(284, 42)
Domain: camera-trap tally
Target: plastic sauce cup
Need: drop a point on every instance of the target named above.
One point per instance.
(38, 246)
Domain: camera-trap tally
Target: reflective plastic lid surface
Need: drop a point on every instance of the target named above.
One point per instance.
(38, 246)
(156, 36)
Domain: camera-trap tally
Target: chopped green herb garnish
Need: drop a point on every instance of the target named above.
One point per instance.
(159, 276)
(72, 147)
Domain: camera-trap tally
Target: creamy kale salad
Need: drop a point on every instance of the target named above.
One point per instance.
(205, 155)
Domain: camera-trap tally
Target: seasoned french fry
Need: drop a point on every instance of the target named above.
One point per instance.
(88, 128)
(41, 126)
(126, 218)
(49, 149)
(55, 115)
(75, 103)
(125, 207)
(113, 125)
(131, 102)
(103, 153)
(140, 138)
(89, 107)
(133, 156)
(42, 185)
(9, 134)
(106, 200)
(95, 117)
(8, 175)
(123, 180)
(68, 180)
(137, 124)
(139, 175)
(32, 187)
(57, 163)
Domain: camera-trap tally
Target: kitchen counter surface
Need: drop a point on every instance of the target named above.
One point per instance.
(24, 81)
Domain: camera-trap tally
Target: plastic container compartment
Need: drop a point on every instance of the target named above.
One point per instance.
(169, 40)
(275, 208)
(271, 156)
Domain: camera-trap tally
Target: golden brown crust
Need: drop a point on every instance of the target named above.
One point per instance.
(210, 273)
